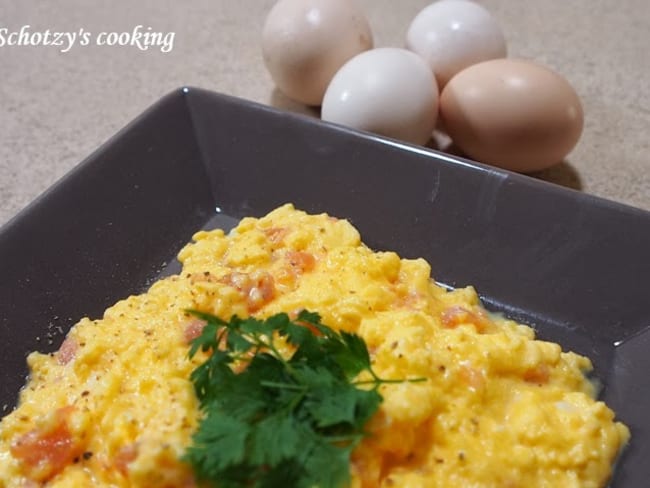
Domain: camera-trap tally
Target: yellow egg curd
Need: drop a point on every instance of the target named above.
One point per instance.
(115, 405)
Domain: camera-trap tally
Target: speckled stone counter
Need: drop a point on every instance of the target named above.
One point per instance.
(56, 107)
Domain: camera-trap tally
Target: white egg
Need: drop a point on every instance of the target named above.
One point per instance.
(454, 34)
(304, 42)
(387, 91)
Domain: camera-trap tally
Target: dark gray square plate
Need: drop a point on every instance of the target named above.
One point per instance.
(574, 266)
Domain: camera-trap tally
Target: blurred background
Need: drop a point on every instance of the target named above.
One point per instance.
(58, 107)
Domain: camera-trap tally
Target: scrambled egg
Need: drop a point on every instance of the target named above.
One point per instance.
(115, 407)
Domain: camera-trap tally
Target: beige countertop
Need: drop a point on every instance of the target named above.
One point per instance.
(58, 107)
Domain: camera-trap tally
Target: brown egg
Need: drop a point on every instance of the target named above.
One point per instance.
(305, 42)
(512, 113)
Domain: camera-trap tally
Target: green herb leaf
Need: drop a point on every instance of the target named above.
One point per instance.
(279, 421)
(219, 444)
(351, 353)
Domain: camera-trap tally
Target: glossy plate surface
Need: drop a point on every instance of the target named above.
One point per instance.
(574, 266)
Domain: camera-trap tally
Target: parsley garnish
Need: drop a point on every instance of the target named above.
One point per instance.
(281, 421)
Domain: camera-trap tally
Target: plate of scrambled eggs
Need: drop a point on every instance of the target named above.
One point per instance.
(111, 402)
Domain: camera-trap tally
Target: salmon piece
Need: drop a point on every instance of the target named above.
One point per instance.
(67, 352)
(276, 234)
(457, 315)
(301, 261)
(193, 329)
(46, 451)
(261, 293)
(410, 301)
(258, 288)
(540, 374)
(472, 377)
(124, 457)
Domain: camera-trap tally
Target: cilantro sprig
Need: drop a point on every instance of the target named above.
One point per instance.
(280, 421)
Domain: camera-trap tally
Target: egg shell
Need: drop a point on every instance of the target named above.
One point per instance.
(512, 113)
(388, 91)
(454, 34)
(304, 43)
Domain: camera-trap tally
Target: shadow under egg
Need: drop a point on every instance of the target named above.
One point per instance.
(563, 174)
(281, 101)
